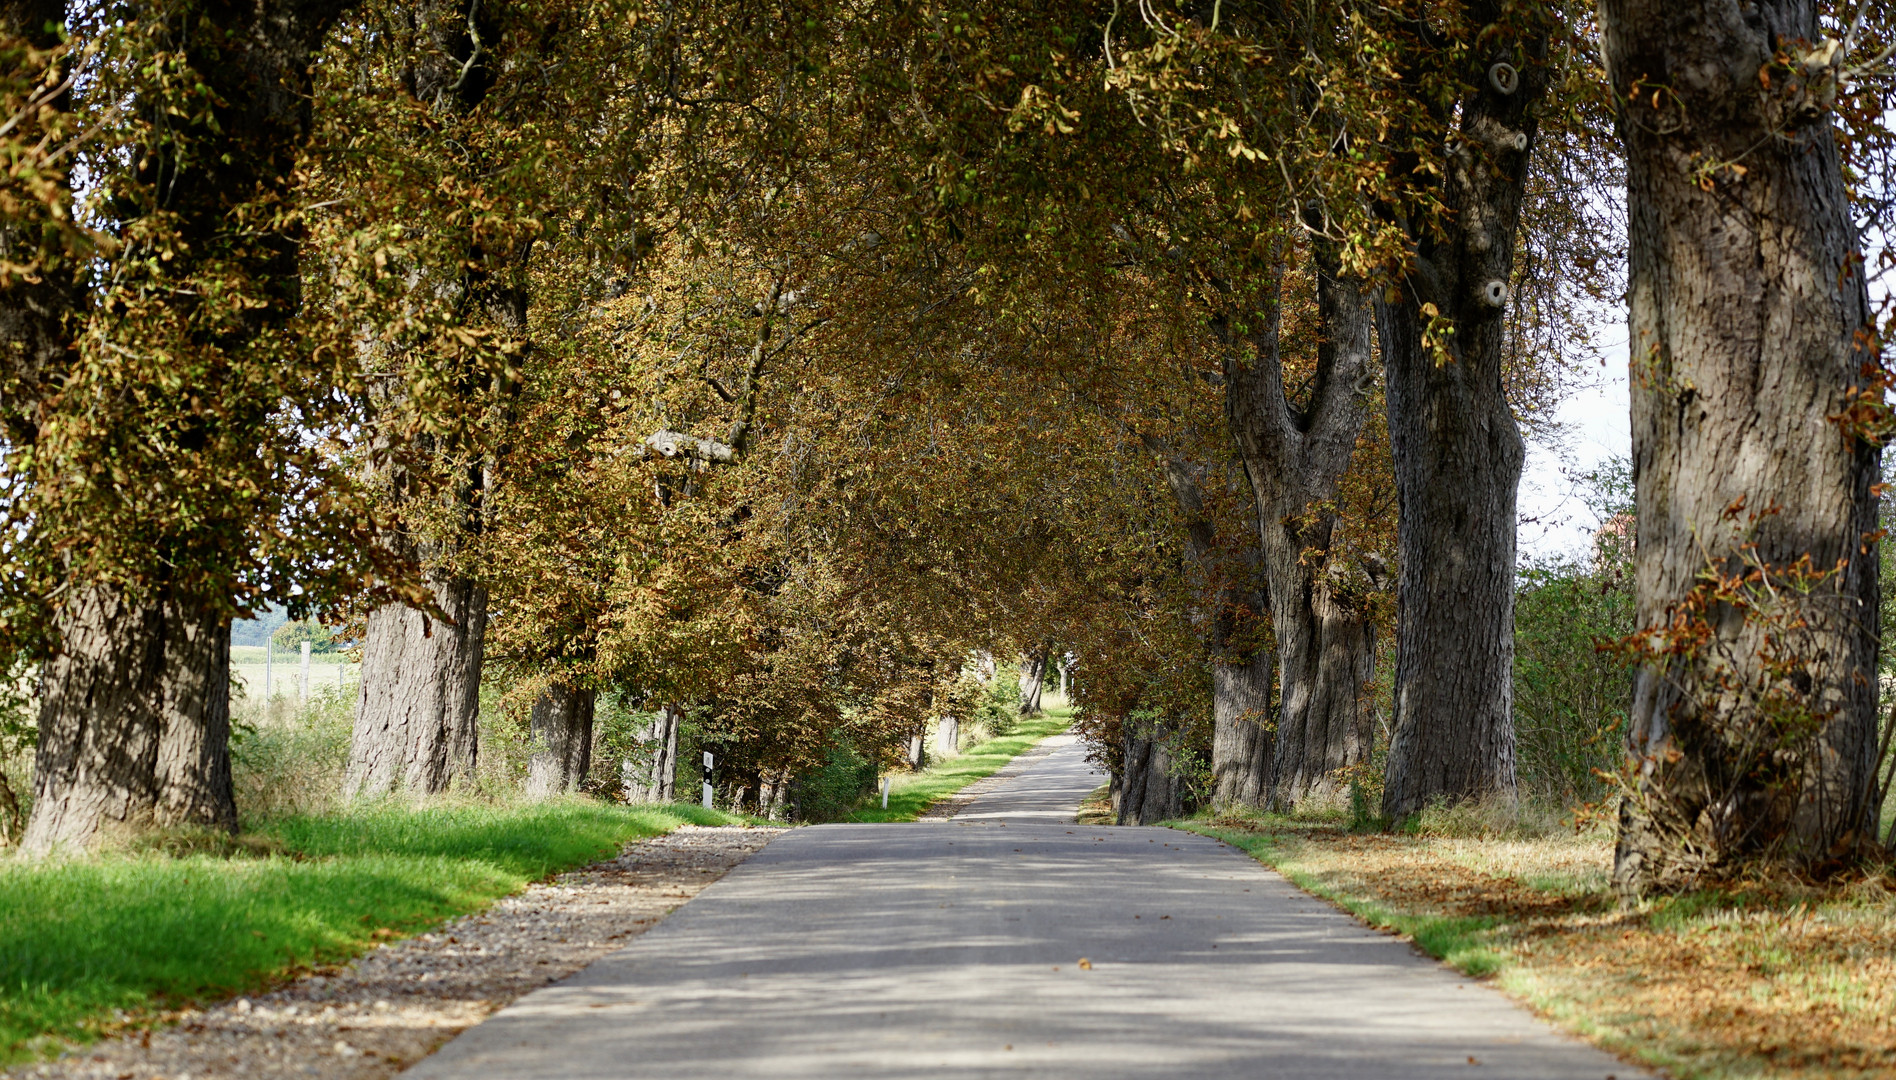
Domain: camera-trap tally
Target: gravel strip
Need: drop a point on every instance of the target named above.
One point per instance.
(397, 1004)
(952, 805)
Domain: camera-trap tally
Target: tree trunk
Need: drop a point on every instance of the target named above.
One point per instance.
(948, 737)
(917, 754)
(1033, 676)
(1457, 449)
(1241, 730)
(656, 781)
(417, 722)
(1295, 458)
(562, 723)
(1152, 792)
(1327, 654)
(134, 722)
(1752, 328)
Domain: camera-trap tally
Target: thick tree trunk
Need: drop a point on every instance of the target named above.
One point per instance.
(134, 722)
(1327, 653)
(1231, 623)
(948, 737)
(417, 722)
(1033, 677)
(1151, 791)
(1458, 451)
(655, 781)
(1295, 459)
(562, 725)
(1750, 321)
(1241, 729)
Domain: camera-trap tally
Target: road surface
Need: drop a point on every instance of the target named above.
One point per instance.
(1010, 942)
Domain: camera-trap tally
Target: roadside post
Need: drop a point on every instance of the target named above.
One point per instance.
(708, 760)
(885, 793)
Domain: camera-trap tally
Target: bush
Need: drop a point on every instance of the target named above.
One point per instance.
(831, 792)
(997, 707)
(290, 637)
(286, 759)
(1570, 694)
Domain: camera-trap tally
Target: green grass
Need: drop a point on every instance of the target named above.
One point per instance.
(86, 943)
(1458, 941)
(910, 795)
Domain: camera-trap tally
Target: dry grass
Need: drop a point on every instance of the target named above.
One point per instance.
(1754, 979)
(1097, 808)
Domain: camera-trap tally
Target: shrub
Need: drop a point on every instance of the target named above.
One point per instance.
(286, 759)
(290, 637)
(829, 793)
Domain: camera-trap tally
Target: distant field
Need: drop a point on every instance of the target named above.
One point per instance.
(325, 669)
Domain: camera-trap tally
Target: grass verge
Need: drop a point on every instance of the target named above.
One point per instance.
(88, 946)
(1776, 979)
(914, 793)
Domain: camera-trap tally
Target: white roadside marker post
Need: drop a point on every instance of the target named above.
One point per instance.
(303, 684)
(885, 793)
(708, 760)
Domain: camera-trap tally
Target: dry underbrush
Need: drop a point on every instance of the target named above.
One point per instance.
(1754, 978)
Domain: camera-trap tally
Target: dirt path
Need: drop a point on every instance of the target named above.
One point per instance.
(395, 1005)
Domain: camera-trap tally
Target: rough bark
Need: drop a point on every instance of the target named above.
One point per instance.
(1150, 791)
(418, 711)
(1295, 457)
(134, 723)
(948, 737)
(562, 725)
(1240, 729)
(1749, 320)
(1231, 622)
(1033, 678)
(1457, 449)
(655, 780)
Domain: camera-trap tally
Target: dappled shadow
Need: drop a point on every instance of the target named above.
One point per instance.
(951, 950)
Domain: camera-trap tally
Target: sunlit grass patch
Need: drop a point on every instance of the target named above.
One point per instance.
(1774, 978)
(913, 793)
(86, 943)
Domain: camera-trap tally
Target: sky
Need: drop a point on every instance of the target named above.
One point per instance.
(1553, 520)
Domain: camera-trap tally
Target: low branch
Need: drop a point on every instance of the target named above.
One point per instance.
(674, 444)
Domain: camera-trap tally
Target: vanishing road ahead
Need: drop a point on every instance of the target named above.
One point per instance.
(952, 949)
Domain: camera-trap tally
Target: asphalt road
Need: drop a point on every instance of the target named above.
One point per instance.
(1010, 942)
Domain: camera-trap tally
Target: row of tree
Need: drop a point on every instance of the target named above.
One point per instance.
(769, 362)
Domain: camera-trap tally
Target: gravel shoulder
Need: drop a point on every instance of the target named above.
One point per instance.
(396, 1005)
